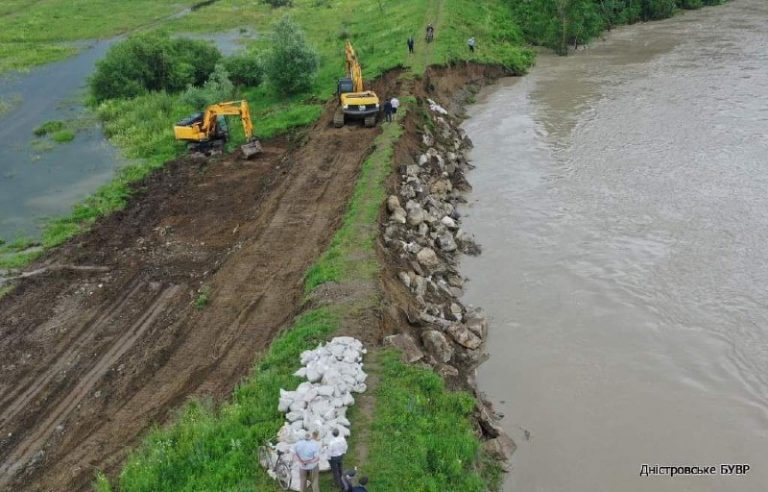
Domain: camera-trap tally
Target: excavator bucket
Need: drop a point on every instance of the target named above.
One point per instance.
(251, 149)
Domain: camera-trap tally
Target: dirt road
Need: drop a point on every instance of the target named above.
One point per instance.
(91, 359)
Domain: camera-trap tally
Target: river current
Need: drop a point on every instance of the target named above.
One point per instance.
(621, 198)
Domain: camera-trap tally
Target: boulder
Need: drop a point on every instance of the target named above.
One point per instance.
(428, 258)
(441, 187)
(406, 343)
(398, 215)
(393, 203)
(405, 278)
(419, 285)
(447, 371)
(464, 337)
(415, 216)
(477, 325)
(500, 448)
(455, 309)
(436, 343)
(449, 222)
(446, 243)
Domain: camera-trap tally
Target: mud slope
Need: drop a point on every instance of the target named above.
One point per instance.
(91, 359)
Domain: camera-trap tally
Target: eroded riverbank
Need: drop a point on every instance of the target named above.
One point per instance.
(619, 197)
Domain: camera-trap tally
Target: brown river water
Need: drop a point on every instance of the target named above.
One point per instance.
(621, 198)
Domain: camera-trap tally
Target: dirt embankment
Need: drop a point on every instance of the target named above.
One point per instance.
(92, 358)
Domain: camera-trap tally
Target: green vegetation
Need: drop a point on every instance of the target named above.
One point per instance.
(49, 127)
(63, 136)
(203, 298)
(18, 253)
(559, 23)
(421, 438)
(39, 32)
(290, 64)
(152, 62)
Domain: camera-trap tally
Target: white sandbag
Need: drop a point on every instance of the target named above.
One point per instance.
(294, 416)
(301, 373)
(327, 389)
(298, 406)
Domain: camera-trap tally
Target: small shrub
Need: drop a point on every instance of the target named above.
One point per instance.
(49, 127)
(218, 88)
(245, 70)
(291, 64)
(63, 136)
(203, 298)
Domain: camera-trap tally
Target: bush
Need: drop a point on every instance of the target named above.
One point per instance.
(291, 63)
(218, 88)
(244, 70)
(49, 127)
(152, 62)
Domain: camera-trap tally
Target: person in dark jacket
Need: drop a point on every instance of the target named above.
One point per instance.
(388, 110)
(410, 44)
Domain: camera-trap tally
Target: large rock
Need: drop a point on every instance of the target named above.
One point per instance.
(419, 284)
(477, 325)
(436, 343)
(398, 215)
(411, 352)
(416, 216)
(405, 278)
(428, 258)
(449, 222)
(393, 203)
(446, 243)
(500, 448)
(441, 187)
(464, 337)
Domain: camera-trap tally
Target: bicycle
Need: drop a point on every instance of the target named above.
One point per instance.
(273, 460)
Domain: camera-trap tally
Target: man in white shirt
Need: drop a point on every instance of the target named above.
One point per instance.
(307, 452)
(337, 448)
(395, 104)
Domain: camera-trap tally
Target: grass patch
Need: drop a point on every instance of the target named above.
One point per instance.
(5, 290)
(203, 298)
(351, 251)
(421, 437)
(46, 30)
(63, 136)
(18, 260)
(215, 449)
(49, 127)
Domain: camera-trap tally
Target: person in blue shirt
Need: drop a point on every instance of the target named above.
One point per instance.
(307, 452)
(348, 482)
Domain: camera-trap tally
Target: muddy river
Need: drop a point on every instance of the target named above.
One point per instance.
(621, 197)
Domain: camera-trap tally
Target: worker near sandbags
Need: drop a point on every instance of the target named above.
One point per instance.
(337, 448)
(308, 453)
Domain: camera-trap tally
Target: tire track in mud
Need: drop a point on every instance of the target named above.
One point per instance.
(33, 443)
(13, 402)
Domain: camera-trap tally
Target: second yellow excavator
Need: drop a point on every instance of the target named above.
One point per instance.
(354, 101)
(207, 131)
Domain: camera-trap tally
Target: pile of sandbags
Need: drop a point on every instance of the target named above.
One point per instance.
(333, 371)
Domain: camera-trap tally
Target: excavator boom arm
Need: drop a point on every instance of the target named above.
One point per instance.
(353, 68)
(229, 109)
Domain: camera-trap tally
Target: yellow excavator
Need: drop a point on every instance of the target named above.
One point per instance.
(354, 101)
(206, 132)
